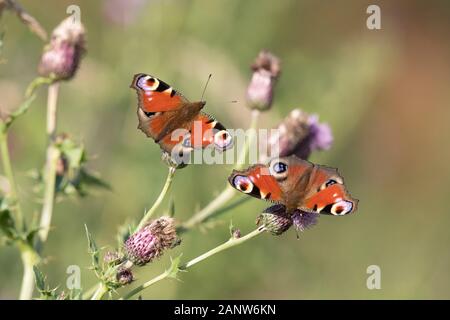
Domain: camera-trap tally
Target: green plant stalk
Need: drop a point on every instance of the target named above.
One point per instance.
(100, 292)
(29, 259)
(36, 83)
(228, 192)
(90, 292)
(50, 166)
(148, 215)
(7, 167)
(232, 242)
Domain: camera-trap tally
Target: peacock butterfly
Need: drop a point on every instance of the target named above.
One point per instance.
(296, 184)
(162, 111)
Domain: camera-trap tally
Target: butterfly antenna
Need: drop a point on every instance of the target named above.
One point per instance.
(206, 85)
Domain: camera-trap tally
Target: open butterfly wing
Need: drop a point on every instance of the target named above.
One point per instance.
(256, 181)
(206, 131)
(155, 95)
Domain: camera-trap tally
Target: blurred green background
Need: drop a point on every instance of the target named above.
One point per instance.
(385, 93)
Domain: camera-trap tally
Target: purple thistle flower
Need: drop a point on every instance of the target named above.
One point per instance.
(62, 56)
(266, 70)
(303, 220)
(300, 134)
(275, 219)
(151, 241)
(319, 137)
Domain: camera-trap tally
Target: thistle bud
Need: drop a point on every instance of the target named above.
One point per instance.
(62, 55)
(112, 258)
(124, 277)
(171, 162)
(275, 219)
(236, 234)
(300, 134)
(303, 220)
(151, 241)
(266, 70)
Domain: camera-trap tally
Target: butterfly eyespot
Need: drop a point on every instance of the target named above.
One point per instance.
(147, 83)
(278, 169)
(187, 142)
(341, 208)
(243, 184)
(330, 182)
(223, 140)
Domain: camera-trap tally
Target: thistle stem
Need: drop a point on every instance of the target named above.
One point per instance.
(100, 292)
(228, 192)
(90, 292)
(50, 165)
(29, 259)
(232, 242)
(148, 215)
(6, 162)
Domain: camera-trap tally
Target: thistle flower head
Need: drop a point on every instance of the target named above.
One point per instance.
(275, 219)
(300, 134)
(62, 55)
(303, 220)
(266, 70)
(151, 241)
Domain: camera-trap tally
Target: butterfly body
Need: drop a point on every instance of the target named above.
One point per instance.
(296, 184)
(162, 111)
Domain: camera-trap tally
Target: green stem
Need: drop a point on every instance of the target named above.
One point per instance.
(148, 215)
(50, 166)
(90, 292)
(36, 83)
(29, 259)
(100, 292)
(145, 285)
(228, 192)
(232, 242)
(6, 162)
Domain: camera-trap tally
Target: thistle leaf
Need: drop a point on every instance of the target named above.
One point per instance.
(174, 268)
(39, 279)
(93, 251)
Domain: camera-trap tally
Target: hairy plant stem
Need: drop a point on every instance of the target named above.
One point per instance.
(228, 192)
(6, 162)
(148, 215)
(50, 166)
(232, 242)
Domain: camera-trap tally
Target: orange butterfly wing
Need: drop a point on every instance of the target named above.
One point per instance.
(155, 95)
(256, 181)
